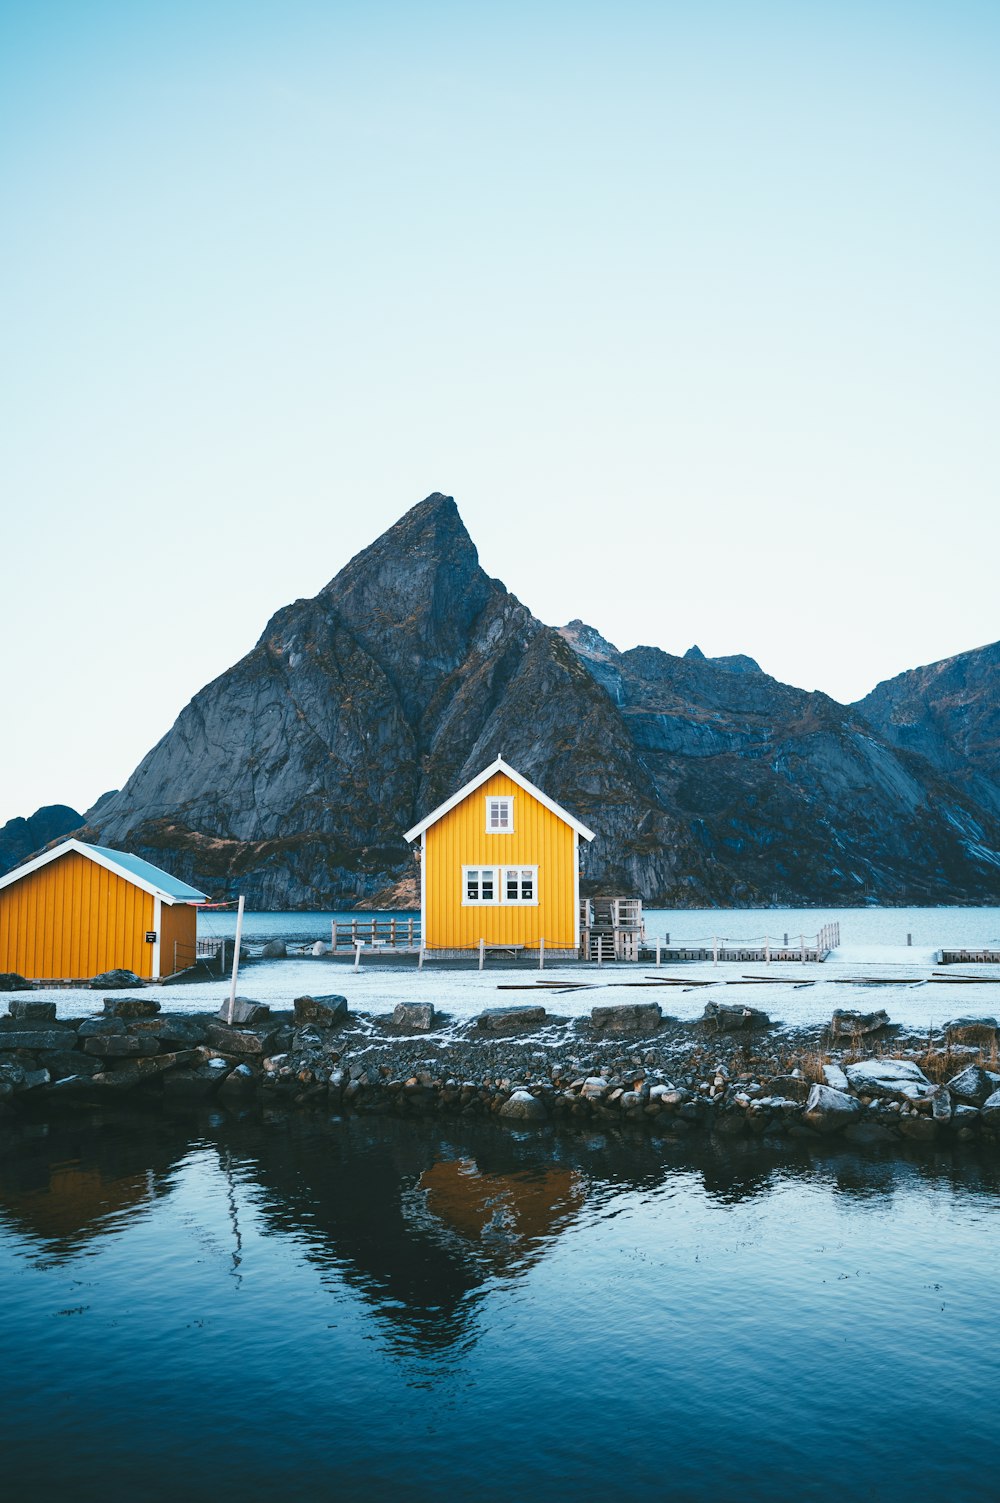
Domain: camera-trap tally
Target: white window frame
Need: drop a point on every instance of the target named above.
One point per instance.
(492, 902)
(519, 902)
(499, 898)
(501, 798)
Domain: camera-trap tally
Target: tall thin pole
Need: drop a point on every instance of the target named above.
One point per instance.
(236, 961)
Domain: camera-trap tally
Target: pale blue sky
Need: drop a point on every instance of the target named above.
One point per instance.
(693, 309)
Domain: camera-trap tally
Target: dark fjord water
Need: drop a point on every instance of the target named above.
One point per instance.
(375, 1309)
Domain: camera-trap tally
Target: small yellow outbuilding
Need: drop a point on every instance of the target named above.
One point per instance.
(499, 866)
(79, 910)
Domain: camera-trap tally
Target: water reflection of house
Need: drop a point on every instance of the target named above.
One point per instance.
(69, 1185)
(505, 1219)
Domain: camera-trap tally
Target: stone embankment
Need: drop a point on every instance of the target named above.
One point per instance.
(731, 1073)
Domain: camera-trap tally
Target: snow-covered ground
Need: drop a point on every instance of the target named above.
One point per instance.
(910, 997)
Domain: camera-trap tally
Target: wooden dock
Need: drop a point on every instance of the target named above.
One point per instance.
(970, 957)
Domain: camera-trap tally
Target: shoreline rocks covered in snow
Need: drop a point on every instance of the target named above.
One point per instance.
(730, 1076)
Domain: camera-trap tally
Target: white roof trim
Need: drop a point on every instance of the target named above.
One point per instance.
(522, 782)
(99, 859)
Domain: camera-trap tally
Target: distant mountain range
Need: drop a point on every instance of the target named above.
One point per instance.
(292, 776)
(21, 838)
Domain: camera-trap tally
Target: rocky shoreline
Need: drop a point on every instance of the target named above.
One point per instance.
(730, 1073)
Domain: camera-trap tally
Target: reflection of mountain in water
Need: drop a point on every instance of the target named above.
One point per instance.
(417, 1226)
(418, 1218)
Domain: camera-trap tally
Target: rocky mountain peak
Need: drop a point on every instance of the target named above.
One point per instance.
(587, 640)
(292, 776)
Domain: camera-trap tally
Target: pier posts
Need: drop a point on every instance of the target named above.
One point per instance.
(715, 949)
(357, 954)
(482, 953)
(657, 954)
(541, 953)
(767, 949)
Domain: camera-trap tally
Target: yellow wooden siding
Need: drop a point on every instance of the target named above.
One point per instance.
(177, 923)
(459, 838)
(74, 919)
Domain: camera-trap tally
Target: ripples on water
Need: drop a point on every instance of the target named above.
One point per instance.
(373, 1309)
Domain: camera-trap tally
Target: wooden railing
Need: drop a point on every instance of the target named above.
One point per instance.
(401, 933)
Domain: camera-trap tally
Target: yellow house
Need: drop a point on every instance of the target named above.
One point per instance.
(499, 866)
(79, 910)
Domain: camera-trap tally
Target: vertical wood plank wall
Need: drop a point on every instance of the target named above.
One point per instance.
(540, 838)
(179, 922)
(74, 919)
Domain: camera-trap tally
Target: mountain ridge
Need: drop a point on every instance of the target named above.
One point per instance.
(292, 775)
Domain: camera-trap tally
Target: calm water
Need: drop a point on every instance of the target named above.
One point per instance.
(858, 926)
(366, 1309)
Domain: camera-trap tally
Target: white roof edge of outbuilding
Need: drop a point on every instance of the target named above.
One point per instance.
(522, 782)
(101, 859)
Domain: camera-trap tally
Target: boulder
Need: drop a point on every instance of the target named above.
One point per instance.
(174, 1032)
(275, 949)
(940, 1104)
(829, 1111)
(320, 948)
(37, 1038)
(135, 1071)
(238, 1084)
(100, 1027)
(240, 1040)
(990, 1111)
(62, 1063)
(847, 1023)
(523, 1107)
(730, 1017)
(114, 981)
(920, 1129)
(834, 1076)
(197, 1083)
(32, 1011)
(10, 981)
(244, 1011)
(900, 1079)
(414, 1017)
(628, 1018)
(130, 1007)
(120, 1046)
(972, 1031)
(510, 1019)
(327, 1011)
(789, 1087)
(974, 1085)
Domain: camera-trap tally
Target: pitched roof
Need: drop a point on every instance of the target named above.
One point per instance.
(141, 873)
(477, 782)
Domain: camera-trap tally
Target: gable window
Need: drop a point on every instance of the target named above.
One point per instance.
(500, 816)
(520, 885)
(479, 884)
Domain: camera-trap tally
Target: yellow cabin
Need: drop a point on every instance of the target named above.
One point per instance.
(499, 867)
(79, 910)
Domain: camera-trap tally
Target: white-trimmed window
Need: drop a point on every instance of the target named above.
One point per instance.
(520, 885)
(480, 884)
(490, 885)
(500, 815)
